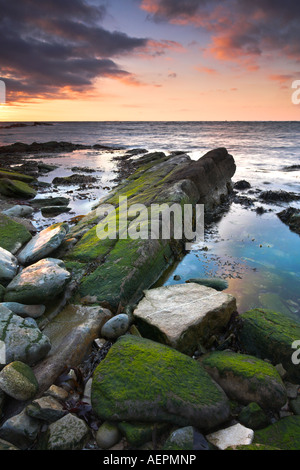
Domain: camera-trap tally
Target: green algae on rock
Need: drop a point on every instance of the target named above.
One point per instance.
(12, 234)
(16, 189)
(138, 434)
(18, 381)
(246, 378)
(140, 380)
(270, 335)
(284, 434)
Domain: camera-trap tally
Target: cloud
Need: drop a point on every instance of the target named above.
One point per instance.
(207, 70)
(49, 47)
(241, 31)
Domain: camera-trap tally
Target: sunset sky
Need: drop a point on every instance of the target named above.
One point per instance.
(139, 60)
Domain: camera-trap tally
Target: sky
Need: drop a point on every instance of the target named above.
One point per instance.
(149, 60)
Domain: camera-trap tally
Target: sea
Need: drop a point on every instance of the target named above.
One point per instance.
(257, 254)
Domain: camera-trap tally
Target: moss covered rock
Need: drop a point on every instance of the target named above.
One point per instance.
(270, 335)
(284, 434)
(18, 381)
(16, 189)
(246, 378)
(13, 175)
(12, 234)
(141, 380)
(138, 434)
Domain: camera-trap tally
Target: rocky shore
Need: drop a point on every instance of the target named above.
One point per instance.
(92, 356)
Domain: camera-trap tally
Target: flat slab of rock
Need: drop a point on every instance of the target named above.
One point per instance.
(144, 381)
(183, 315)
(13, 235)
(8, 265)
(233, 436)
(39, 283)
(43, 244)
(23, 339)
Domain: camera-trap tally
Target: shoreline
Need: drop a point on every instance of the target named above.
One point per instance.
(113, 310)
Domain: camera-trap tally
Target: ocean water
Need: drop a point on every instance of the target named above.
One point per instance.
(257, 254)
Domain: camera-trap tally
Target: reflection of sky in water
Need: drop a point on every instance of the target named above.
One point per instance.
(258, 255)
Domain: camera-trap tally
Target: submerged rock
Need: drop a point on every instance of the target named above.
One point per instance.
(291, 217)
(8, 265)
(52, 211)
(39, 283)
(140, 380)
(43, 244)
(23, 339)
(214, 283)
(246, 379)
(278, 196)
(183, 315)
(50, 201)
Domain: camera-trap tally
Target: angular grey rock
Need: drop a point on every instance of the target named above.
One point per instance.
(21, 430)
(43, 244)
(46, 409)
(8, 265)
(68, 433)
(233, 436)
(115, 327)
(39, 283)
(183, 315)
(23, 339)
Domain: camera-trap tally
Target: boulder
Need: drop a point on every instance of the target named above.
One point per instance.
(283, 435)
(8, 265)
(23, 340)
(20, 430)
(39, 283)
(43, 244)
(270, 335)
(140, 380)
(68, 433)
(183, 315)
(13, 235)
(16, 189)
(246, 379)
(115, 327)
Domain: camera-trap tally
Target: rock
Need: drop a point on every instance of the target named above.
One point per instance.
(284, 434)
(115, 327)
(140, 380)
(278, 196)
(233, 436)
(52, 211)
(138, 434)
(16, 189)
(246, 378)
(240, 185)
(183, 315)
(295, 405)
(13, 235)
(181, 439)
(2, 292)
(215, 283)
(107, 435)
(74, 179)
(43, 244)
(21, 430)
(39, 283)
(18, 381)
(57, 392)
(4, 445)
(270, 335)
(18, 211)
(13, 175)
(68, 433)
(291, 217)
(8, 265)
(72, 333)
(46, 409)
(33, 311)
(23, 340)
(50, 201)
(253, 417)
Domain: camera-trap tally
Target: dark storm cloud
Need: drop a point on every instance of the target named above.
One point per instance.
(238, 27)
(51, 45)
